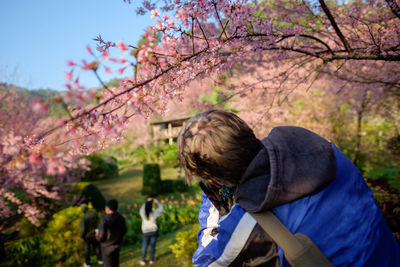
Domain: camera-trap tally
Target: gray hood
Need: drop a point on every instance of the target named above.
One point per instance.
(293, 163)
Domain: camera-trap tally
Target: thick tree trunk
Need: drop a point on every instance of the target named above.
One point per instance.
(358, 137)
(360, 114)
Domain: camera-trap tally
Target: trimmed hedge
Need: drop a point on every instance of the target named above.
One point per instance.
(151, 180)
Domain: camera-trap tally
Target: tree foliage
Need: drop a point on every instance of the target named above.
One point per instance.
(33, 173)
(355, 42)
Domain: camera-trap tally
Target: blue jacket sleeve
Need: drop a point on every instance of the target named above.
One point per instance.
(221, 240)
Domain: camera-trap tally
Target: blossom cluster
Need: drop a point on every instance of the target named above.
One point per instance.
(32, 172)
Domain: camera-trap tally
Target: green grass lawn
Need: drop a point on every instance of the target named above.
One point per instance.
(127, 186)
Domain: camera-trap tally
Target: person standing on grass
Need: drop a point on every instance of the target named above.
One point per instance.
(112, 230)
(149, 228)
(87, 231)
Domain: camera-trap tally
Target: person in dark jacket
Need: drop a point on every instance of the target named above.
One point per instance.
(112, 230)
(89, 223)
(305, 180)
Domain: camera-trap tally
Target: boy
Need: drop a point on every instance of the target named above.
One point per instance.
(305, 180)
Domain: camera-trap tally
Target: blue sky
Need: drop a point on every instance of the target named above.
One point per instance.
(38, 37)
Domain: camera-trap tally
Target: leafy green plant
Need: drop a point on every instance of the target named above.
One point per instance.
(393, 145)
(133, 227)
(390, 175)
(101, 166)
(151, 180)
(185, 246)
(170, 155)
(178, 213)
(61, 241)
(25, 252)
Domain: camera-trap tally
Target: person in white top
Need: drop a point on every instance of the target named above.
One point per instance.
(149, 228)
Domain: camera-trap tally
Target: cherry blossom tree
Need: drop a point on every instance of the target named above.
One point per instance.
(32, 173)
(299, 41)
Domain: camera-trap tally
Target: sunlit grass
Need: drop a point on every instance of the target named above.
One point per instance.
(127, 186)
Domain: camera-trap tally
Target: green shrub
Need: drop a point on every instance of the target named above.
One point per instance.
(390, 175)
(25, 252)
(93, 195)
(27, 229)
(393, 145)
(101, 166)
(133, 228)
(170, 155)
(151, 180)
(139, 155)
(173, 186)
(185, 246)
(387, 173)
(178, 213)
(61, 240)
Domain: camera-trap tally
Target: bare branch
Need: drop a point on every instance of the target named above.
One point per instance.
(193, 35)
(394, 7)
(309, 37)
(219, 19)
(102, 83)
(335, 26)
(205, 37)
(105, 102)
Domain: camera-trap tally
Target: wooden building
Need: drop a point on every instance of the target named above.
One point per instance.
(167, 130)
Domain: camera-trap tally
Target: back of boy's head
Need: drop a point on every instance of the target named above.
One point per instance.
(216, 145)
(112, 204)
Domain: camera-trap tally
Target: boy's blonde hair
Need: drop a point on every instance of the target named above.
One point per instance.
(216, 145)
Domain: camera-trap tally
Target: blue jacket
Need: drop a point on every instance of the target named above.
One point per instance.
(329, 202)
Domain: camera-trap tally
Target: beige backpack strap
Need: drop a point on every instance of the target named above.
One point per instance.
(299, 249)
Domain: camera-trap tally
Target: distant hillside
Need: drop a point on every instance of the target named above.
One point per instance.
(56, 110)
(40, 93)
(35, 93)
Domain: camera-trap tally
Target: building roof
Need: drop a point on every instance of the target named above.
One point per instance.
(171, 120)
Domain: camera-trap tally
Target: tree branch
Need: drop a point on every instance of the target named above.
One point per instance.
(394, 7)
(219, 19)
(193, 35)
(335, 26)
(105, 102)
(102, 83)
(202, 31)
(309, 37)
